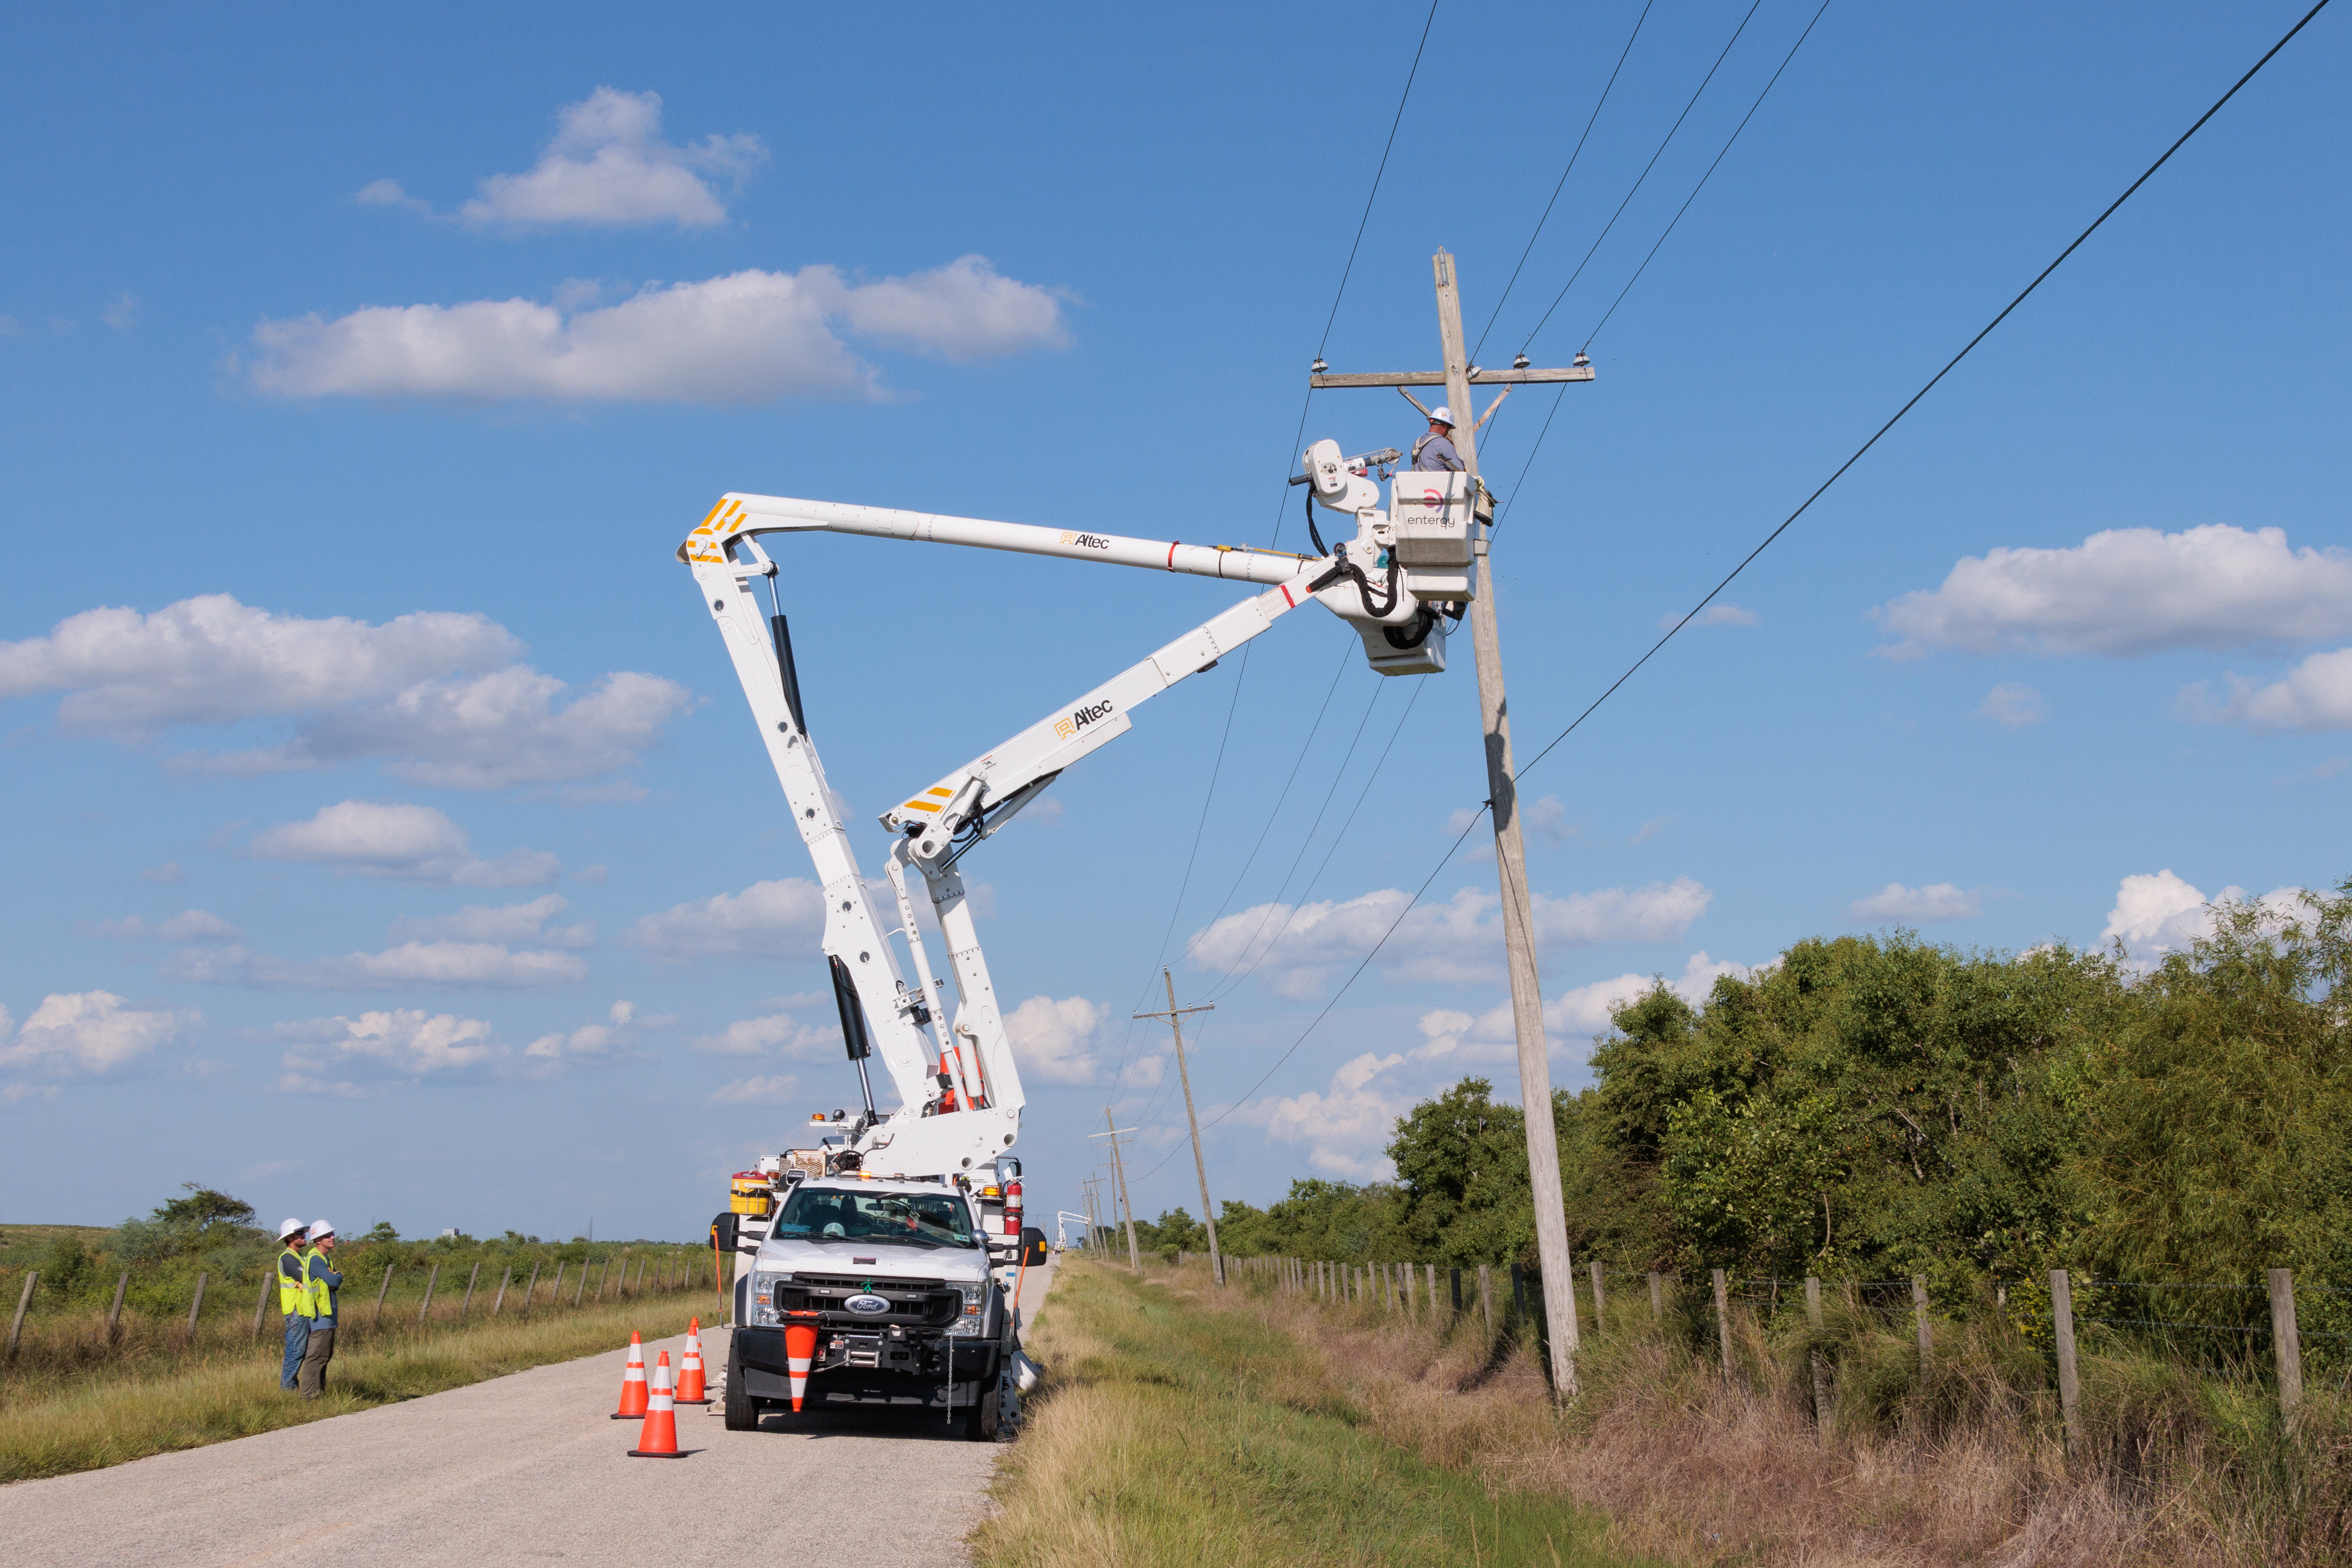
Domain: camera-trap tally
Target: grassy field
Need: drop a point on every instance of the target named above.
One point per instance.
(1178, 1430)
(66, 1415)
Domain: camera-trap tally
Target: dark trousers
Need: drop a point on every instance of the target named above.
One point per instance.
(315, 1357)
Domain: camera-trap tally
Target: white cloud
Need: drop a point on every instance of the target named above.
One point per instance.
(123, 314)
(773, 1032)
(352, 1057)
(2315, 695)
(1571, 1019)
(1343, 1129)
(1917, 906)
(411, 843)
(2013, 705)
(1053, 1037)
(91, 1032)
(190, 925)
(484, 731)
(2159, 914)
(1713, 616)
(501, 922)
(749, 337)
(211, 660)
(1459, 942)
(778, 1089)
(589, 1042)
(779, 919)
(434, 966)
(608, 165)
(434, 694)
(169, 871)
(2133, 590)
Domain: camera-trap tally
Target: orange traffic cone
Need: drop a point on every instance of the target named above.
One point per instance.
(800, 1350)
(689, 1367)
(632, 1382)
(657, 1438)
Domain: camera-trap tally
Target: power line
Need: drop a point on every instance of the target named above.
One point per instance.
(1386, 147)
(1644, 175)
(1923, 392)
(1563, 179)
(1701, 181)
(1669, 229)
(1529, 767)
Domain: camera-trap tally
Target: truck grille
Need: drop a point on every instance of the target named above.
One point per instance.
(915, 1304)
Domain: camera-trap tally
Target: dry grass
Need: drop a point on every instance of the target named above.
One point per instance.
(1962, 1463)
(84, 1413)
(1174, 1432)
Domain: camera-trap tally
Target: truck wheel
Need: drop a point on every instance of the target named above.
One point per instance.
(986, 1418)
(742, 1414)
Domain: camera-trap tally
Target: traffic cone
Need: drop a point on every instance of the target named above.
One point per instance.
(632, 1382)
(689, 1367)
(657, 1438)
(800, 1350)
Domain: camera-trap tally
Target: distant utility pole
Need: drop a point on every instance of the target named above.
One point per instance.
(1502, 788)
(1175, 1016)
(1118, 1171)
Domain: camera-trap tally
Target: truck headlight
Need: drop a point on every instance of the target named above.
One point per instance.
(973, 1318)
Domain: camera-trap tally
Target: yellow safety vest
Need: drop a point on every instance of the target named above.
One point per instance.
(322, 1298)
(294, 1296)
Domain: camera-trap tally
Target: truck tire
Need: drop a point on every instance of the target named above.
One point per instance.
(742, 1414)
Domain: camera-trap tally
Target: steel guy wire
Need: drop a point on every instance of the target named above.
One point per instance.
(1563, 180)
(1702, 183)
(1644, 176)
(1528, 766)
(1948, 367)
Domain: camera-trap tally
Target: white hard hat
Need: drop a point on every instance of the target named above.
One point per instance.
(1442, 413)
(290, 1227)
(320, 1227)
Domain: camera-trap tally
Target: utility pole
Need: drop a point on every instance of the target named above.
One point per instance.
(1175, 1016)
(1119, 1171)
(1502, 787)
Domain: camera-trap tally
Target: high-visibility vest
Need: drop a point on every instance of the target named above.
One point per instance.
(322, 1298)
(294, 1294)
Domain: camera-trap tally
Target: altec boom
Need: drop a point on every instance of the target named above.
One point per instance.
(1397, 584)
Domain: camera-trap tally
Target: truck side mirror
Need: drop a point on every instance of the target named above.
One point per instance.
(722, 1233)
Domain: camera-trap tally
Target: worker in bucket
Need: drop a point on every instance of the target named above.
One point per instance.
(293, 1299)
(1434, 453)
(323, 1283)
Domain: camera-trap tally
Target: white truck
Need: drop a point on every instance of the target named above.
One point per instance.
(1399, 577)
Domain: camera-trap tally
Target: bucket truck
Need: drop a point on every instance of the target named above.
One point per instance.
(1399, 577)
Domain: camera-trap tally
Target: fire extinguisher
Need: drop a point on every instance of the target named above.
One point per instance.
(1013, 1207)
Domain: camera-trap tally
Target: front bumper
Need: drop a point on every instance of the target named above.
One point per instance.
(914, 1367)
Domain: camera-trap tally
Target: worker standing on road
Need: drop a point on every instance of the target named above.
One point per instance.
(293, 1300)
(323, 1283)
(1434, 453)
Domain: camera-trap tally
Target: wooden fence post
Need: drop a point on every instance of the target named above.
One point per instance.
(466, 1305)
(530, 1289)
(1432, 1293)
(2070, 1388)
(1820, 1368)
(262, 1305)
(1599, 1300)
(430, 1280)
(381, 1291)
(114, 1314)
(2286, 1341)
(24, 1304)
(1454, 1278)
(501, 1298)
(1919, 1315)
(640, 1286)
(605, 1279)
(1657, 1296)
(196, 1306)
(555, 1291)
(1486, 1296)
(580, 1285)
(1723, 1317)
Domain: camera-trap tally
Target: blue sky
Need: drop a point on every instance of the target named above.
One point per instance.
(387, 838)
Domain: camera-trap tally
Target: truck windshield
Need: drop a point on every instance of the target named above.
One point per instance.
(925, 1219)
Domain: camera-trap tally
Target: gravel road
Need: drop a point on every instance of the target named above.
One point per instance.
(525, 1469)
